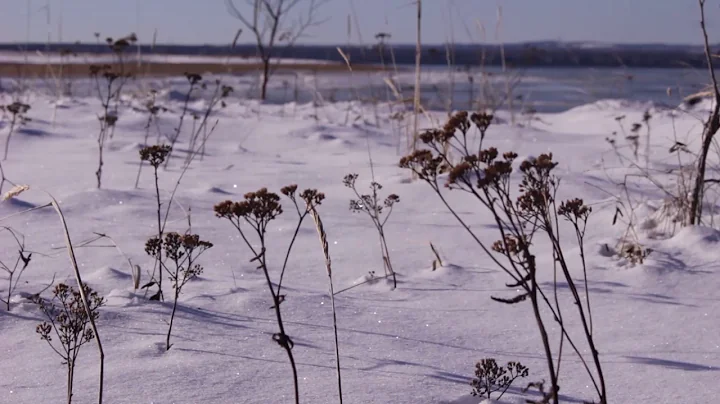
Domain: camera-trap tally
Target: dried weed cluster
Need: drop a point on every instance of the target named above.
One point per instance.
(67, 327)
(378, 210)
(486, 176)
(256, 211)
(180, 264)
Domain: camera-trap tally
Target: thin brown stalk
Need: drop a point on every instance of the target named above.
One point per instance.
(328, 267)
(78, 278)
(418, 59)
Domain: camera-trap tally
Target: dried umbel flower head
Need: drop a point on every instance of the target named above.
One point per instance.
(487, 156)
(538, 185)
(193, 78)
(574, 209)
(120, 45)
(226, 91)
(312, 197)
(172, 246)
(482, 121)
(491, 377)
(424, 164)
(495, 173)
(349, 180)
(459, 121)
(510, 245)
(68, 317)
(155, 155)
(176, 246)
(391, 200)
(543, 164)
(289, 190)
(260, 207)
(192, 242)
(458, 173)
(110, 119)
(153, 247)
(18, 108)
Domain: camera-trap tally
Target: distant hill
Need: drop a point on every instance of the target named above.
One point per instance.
(529, 54)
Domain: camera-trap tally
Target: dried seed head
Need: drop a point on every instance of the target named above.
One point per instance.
(459, 121)
(458, 172)
(482, 121)
(487, 156)
(193, 78)
(426, 166)
(350, 179)
(574, 209)
(225, 209)
(289, 190)
(312, 197)
(153, 246)
(155, 154)
(18, 108)
(391, 200)
(261, 206)
(226, 91)
(109, 119)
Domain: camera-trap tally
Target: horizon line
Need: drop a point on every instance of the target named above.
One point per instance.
(343, 45)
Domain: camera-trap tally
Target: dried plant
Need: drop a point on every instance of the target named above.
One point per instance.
(85, 297)
(491, 378)
(18, 112)
(67, 327)
(197, 142)
(109, 83)
(328, 266)
(18, 267)
(194, 80)
(200, 131)
(485, 175)
(710, 129)
(153, 110)
(134, 269)
(675, 183)
(378, 211)
(256, 211)
(78, 278)
(155, 156)
(437, 262)
(181, 253)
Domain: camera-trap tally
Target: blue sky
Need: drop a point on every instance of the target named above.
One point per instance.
(206, 21)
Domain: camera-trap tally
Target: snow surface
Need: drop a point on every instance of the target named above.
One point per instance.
(657, 324)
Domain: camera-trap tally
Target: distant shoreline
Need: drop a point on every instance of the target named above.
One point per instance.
(531, 54)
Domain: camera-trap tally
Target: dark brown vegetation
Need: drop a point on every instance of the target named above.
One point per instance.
(252, 216)
(486, 176)
(68, 323)
(155, 69)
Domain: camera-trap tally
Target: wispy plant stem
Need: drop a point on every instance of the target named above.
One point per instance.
(328, 267)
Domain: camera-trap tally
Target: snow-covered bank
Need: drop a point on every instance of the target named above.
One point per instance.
(657, 323)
